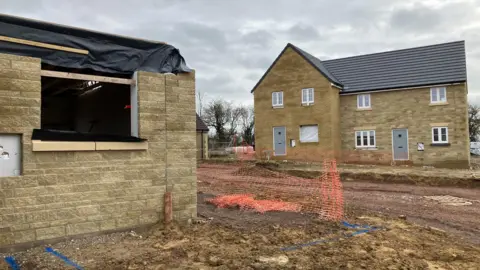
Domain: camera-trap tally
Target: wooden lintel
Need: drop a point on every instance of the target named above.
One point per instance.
(42, 146)
(86, 77)
(43, 45)
(121, 146)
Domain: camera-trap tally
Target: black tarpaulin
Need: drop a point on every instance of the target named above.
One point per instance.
(107, 53)
(74, 136)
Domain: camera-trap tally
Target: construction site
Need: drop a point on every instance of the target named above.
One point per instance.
(101, 169)
(262, 214)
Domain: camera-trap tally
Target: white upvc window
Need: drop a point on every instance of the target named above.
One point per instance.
(307, 96)
(309, 133)
(438, 95)
(440, 135)
(365, 138)
(363, 101)
(277, 99)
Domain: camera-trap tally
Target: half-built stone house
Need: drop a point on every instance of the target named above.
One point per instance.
(95, 129)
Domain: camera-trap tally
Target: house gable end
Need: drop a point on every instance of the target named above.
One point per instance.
(306, 58)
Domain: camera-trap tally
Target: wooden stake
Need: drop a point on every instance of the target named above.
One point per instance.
(168, 208)
(85, 77)
(42, 45)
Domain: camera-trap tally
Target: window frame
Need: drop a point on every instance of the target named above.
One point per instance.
(437, 91)
(361, 97)
(362, 146)
(277, 105)
(308, 102)
(300, 134)
(440, 141)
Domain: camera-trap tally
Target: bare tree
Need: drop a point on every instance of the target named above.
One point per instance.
(247, 121)
(235, 117)
(218, 114)
(474, 122)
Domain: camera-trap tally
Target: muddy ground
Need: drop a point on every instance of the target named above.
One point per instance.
(433, 236)
(233, 239)
(413, 201)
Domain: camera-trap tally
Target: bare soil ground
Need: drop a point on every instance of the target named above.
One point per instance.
(390, 174)
(413, 201)
(234, 239)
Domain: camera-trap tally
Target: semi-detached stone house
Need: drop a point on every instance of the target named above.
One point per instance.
(396, 107)
(95, 129)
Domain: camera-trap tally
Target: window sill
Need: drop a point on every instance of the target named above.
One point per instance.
(307, 104)
(364, 109)
(438, 104)
(277, 107)
(366, 148)
(440, 144)
(309, 142)
(45, 146)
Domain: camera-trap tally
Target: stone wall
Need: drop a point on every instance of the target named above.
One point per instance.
(61, 194)
(409, 109)
(290, 74)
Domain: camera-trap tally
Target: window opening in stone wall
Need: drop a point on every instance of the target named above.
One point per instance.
(85, 107)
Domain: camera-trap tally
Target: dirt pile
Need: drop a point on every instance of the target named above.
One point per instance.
(255, 171)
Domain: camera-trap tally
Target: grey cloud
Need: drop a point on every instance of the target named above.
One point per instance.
(232, 43)
(256, 39)
(254, 76)
(187, 34)
(221, 86)
(419, 18)
(256, 62)
(303, 32)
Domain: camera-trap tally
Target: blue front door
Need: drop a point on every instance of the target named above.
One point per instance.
(279, 141)
(400, 144)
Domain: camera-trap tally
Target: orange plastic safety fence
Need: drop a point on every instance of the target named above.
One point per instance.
(257, 187)
(247, 201)
(331, 191)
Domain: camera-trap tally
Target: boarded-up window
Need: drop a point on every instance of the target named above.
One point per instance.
(309, 133)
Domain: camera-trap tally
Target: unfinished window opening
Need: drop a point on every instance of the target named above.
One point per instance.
(81, 104)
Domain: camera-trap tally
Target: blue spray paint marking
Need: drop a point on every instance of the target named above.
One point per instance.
(63, 257)
(353, 226)
(13, 264)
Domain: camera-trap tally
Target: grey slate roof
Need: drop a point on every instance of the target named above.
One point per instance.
(201, 125)
(427, 65)
(420, 66)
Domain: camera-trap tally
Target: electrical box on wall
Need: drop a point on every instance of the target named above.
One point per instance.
(292, 143)
(10, 155)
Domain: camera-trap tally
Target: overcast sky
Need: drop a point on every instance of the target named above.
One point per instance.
(232, 43)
